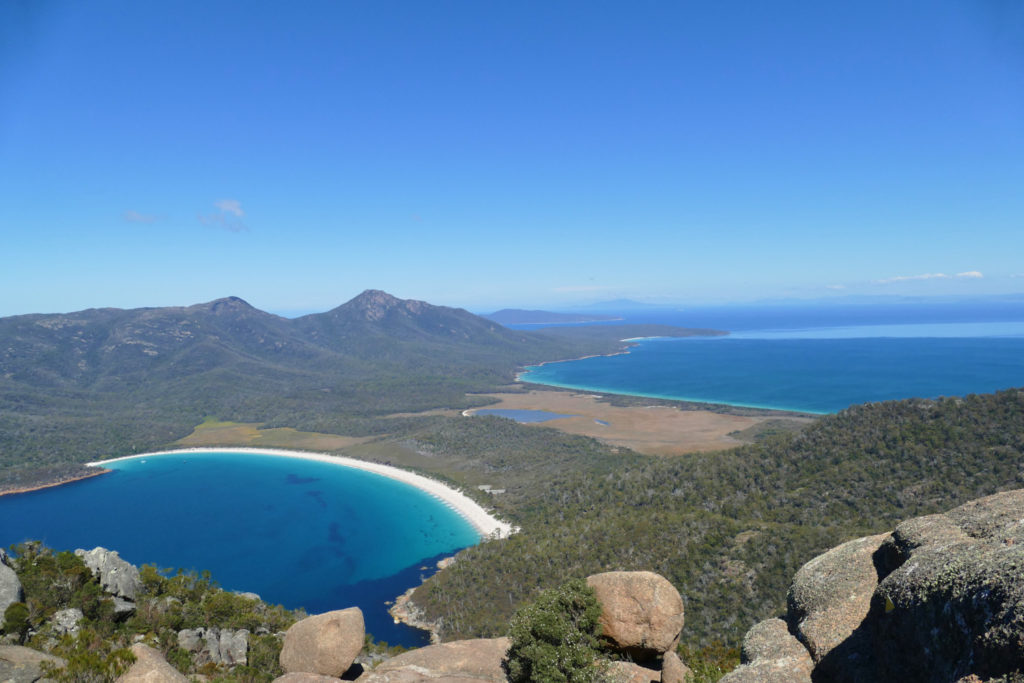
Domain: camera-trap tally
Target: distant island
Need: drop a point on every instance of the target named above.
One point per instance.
(518, 316)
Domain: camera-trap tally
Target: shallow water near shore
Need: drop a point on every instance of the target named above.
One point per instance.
(297, 532)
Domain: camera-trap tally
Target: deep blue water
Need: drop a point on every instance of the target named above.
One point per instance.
(300, 533)
(524, 416)
(819, 361)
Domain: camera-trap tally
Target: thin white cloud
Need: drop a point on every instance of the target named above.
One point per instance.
(907, 278)
(835, 286)
(227, 216)
(968, 275)
(136, 217)
(232, 206)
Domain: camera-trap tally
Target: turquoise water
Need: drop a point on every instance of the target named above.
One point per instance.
(816, 370)
(524, 416)
(300, 533)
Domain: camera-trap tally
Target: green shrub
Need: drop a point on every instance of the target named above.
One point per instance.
(16, 620)
(555, 638)
(90, 659)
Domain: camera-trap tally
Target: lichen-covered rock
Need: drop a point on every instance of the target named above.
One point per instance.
(66, 621)
(23, 665)
(954, 601)
(947, 604)
(150, 667)
(771, 654)
(641, 612)
(227, 647)
(118, 577)
(463, 660)
(325, 644)
(10, 586)
(123, 608)
(829, 598)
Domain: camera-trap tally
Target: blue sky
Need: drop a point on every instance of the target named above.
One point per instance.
(485, 154)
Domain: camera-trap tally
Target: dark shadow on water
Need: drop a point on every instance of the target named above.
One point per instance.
(372, 596)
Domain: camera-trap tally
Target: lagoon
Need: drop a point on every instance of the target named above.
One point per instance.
(522, 416)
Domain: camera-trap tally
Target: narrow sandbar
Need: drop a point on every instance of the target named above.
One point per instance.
(486, 524)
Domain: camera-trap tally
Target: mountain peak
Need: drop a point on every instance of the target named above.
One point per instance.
(228, 304)
(374, 304)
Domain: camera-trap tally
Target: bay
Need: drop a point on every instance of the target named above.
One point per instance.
(299, 533)
(814, 369)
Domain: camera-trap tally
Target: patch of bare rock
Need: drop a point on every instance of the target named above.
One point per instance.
(150, 667)
(23, 665)
(941, 599)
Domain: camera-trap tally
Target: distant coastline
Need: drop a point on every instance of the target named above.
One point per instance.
(485, 524)
(56, 482)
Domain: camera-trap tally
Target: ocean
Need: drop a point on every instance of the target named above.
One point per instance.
(299, 533)
(811, 359)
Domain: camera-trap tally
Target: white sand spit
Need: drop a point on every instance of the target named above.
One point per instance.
(487, 525)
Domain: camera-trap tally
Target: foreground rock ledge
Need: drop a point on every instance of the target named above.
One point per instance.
(468, 661)
(939, 600)
(324, 644)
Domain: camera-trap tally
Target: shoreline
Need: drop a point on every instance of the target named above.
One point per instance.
(52, 484)
(488, 526)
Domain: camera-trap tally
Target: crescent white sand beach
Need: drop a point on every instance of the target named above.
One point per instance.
(487, 525)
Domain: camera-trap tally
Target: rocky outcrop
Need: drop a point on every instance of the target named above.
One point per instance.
(955, 594)
(673, 670)
(119, 578)
(301, 677)
(827, 603)
(10, 586)
(225, 647)
(941, 599)
(150, 667)
(628, 672)
(23, 665)
(771, 654)
(66, 621)
(467, 661)
(325, 644)
(641, 613)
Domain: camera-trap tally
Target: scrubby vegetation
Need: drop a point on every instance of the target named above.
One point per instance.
(168, 603)
(555, 638)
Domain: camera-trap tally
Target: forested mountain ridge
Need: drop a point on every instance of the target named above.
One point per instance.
(77, 386)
